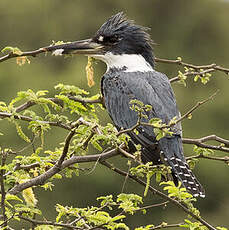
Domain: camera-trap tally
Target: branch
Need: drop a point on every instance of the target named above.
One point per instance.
(34, 53)
(198, 104)
(177, 78)
(3, 192)
(87, 101)
(157, 192)
(39, 222)
(60, 102)
(200, 142)
(196, 67)
(39, 180)
(26, 118)
(154, 205)
(224, 159)
(31, 103)
(165, 225)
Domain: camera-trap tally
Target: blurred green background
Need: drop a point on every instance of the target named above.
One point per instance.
(195, 30)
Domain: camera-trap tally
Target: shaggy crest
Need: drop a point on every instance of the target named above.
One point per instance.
(126, 37)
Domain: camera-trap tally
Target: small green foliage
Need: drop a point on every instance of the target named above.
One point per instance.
(14, 50)
(141, 109)
(182, 78)
(147, 170)
(92, 216)
(193, 225)
(204, 77)
(129, 202)
(70, 89)
(107, 201)
(177, 191)
(203, 151)
(20, 131)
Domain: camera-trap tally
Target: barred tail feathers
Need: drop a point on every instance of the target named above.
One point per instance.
(184, 174)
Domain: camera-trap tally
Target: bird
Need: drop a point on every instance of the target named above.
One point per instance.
(127, 50)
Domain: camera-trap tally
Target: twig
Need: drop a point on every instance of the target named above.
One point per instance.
(33, 53)
(26, 118)
(198, 104)
(28, 104)
(177, 78)
(59, 102)
(154, 205)
(39, 180)
(200, 142)
(39, 222)
(130, 129)
(3, 192)
(163, 225)
(224, 159)
(87, 101)
(65, 150)
(196, 67)
(157, 192)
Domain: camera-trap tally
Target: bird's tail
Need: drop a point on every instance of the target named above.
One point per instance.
(172, 152)
(183, 173)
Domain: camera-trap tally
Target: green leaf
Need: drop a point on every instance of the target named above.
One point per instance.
(14, 50)
(21, 133)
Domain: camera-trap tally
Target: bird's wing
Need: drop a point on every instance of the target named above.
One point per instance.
(152, 88)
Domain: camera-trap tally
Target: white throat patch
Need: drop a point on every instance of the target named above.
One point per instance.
(132, 62)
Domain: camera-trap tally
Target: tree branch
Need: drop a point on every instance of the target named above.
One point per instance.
(192, 73)
(39, 180)
(200, 142)
(3, 192)
(165, 225)
(157, 192)
(26, 118)
(34, 53)
(196, 67)
(39, 222)
(224, 159)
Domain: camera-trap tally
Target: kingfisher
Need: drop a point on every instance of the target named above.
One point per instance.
(127, 50)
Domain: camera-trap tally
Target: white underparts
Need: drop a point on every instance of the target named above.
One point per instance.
(132, 62)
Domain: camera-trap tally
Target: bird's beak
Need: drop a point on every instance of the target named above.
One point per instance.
(86, 47)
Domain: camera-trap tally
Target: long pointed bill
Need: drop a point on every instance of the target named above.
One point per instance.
(87, 47)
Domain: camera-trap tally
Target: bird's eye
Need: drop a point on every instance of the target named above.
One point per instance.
(108, 39)
(112, 39)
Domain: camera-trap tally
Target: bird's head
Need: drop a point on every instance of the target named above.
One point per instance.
(118, 42)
